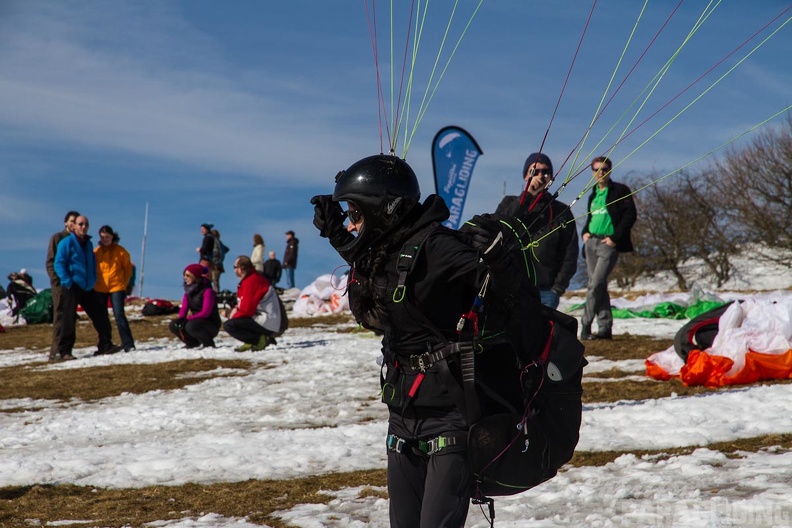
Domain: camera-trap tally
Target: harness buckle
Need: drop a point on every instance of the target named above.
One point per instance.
(395, 443)
(436, 444)
(420, 363)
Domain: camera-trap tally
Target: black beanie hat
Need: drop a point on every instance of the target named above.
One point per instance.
(537, 157)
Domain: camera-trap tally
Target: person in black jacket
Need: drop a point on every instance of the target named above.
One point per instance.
(552, 226)
(429, 477)
(611, 217)
(272, 269)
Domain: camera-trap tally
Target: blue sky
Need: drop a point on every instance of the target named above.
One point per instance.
(236, 113)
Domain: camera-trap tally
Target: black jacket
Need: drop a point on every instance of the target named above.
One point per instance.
(440, 288)
(272, 270)
(621, 209)
(195, 301)
(555, 258)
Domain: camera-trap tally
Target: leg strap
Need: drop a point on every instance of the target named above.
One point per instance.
(428, 447)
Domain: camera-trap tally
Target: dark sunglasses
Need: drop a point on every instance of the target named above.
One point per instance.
(81, 224)
(540, 172)
(355, 216)
(602, 168)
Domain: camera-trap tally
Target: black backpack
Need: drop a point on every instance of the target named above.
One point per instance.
(699, 332)
(524, 439)
(159, 307)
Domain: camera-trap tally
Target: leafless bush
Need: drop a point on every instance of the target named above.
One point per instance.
(678, 221)
(757, 180)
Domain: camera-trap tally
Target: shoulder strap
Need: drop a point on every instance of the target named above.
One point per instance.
(464, 395)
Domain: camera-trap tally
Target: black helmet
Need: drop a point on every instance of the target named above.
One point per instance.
(384, 188)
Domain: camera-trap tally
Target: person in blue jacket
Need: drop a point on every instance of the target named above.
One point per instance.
(75, 266)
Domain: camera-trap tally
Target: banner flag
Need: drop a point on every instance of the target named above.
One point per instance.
(454, 154)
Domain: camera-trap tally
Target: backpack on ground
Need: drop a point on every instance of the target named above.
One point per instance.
(699, 333)
(38, 309)
(515, 441)
(284, 319)
(159, 307)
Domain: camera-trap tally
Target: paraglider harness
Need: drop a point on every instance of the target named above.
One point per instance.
(513, 451)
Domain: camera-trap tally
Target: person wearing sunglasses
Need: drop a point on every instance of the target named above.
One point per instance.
(412, 280)
(552, 226)
(611, 216)
(75, 265)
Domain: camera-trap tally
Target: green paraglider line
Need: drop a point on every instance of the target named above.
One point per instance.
(694, 82)
(425, 102)
(610, 81)
(653, 182)
(656, 80)
(694, 101)
(618, 89)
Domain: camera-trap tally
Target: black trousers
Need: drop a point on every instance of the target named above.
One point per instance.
(195, 332)
(245, 329)
(428, 491)
(95, 306)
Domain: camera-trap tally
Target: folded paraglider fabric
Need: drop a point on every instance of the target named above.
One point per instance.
(754, 343)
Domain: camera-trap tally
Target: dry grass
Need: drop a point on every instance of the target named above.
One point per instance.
(256, 500)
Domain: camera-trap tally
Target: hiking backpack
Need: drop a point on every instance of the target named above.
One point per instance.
(219, 251)
(512, 451)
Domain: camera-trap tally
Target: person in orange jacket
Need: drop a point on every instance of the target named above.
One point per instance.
(113, 272)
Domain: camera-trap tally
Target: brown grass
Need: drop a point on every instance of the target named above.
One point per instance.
(256, 500)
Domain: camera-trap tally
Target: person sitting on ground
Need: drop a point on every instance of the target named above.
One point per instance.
(257, 314)
(199, 319)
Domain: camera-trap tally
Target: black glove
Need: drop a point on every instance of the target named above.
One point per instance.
(484, 234)
(179, 323)
(328, 216)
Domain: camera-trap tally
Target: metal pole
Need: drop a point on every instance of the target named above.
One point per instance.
(143, 253)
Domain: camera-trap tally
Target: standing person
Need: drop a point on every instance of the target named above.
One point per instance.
(257, 315)
(76, 268)
(199, 319)
(218, 256)
(429, 476)
(257, 255)
(113, 276)
(55, 285)
(612, 215)
(272, 269)
(555, 256)
(206, 249)
(290, 258)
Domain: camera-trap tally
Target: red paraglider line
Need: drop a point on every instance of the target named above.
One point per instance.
(560, 95)
(635, 65)
(568, 75)
(381, 110)
(688, 87)
(401, 81)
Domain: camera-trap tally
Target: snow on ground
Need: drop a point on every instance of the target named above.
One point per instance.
(317, 411)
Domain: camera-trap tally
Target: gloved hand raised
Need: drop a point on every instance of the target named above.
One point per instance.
(328, 215)
(484, 234)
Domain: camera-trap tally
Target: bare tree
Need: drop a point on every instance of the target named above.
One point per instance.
(678, 222)
(758, 180)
